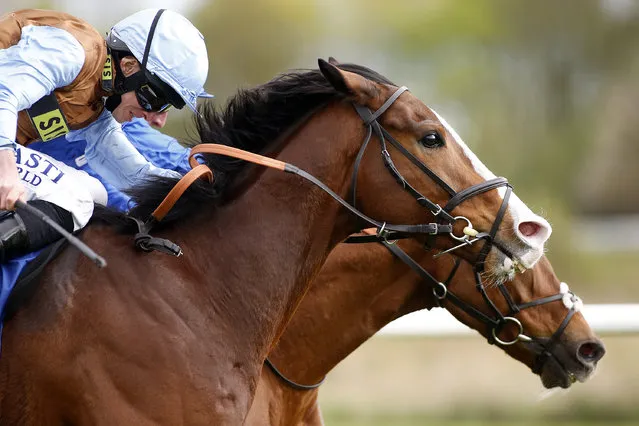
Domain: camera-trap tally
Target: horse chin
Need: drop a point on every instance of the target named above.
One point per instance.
(553, 375)
(564, 373)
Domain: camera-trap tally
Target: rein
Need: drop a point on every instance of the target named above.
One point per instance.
(385, 231)
(147, 243)
(426, 228)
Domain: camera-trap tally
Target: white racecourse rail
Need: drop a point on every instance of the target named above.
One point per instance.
(604, 319)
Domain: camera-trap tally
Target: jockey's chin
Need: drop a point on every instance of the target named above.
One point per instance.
(130, 108)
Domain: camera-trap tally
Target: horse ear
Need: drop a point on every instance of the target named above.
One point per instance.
(334, 76)
(349, 83)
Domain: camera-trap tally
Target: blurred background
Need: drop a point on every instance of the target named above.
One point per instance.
(545, 92)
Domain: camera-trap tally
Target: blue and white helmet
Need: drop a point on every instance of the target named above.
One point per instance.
(177, 53)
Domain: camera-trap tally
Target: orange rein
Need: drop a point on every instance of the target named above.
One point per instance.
(211, 148)
(200, 171)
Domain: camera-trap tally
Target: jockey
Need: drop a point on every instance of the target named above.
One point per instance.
(58, 76)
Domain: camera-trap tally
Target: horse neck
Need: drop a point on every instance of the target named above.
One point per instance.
(359, 290)
(269, 243)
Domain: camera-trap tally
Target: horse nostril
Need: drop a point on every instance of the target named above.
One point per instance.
(529, 229)
(590, 352)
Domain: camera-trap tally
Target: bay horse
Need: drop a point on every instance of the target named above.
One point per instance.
(361, 288)
(160, 340)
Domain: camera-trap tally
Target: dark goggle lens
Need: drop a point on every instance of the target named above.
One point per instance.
(151, 99)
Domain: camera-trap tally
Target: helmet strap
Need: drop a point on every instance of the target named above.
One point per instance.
(122, 84)
(133, 82)
(112, 102)
(119, 80)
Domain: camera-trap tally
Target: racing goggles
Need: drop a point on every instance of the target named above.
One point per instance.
(151, 100)
(154, 95)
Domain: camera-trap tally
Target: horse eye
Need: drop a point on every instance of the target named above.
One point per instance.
(432, 140)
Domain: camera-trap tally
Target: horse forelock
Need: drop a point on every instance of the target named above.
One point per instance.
(251, 120)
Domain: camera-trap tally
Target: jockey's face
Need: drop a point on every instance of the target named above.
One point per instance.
(129, 106)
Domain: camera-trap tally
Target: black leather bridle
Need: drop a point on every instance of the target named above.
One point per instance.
(443, 214)
(495, 324)
(440, 290)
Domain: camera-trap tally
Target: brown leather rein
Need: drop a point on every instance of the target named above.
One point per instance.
(202, 171)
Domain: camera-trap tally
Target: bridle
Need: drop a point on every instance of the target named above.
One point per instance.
(443, 214)
(495, 324)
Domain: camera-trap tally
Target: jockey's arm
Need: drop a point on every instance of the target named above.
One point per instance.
(162, 150)
(44, 59)
(112, 156)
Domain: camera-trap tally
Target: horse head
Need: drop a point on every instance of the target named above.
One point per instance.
(439, 176)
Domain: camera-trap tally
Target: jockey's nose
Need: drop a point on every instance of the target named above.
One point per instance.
(156, 119)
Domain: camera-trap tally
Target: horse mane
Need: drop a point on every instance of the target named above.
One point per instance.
(251, 120)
